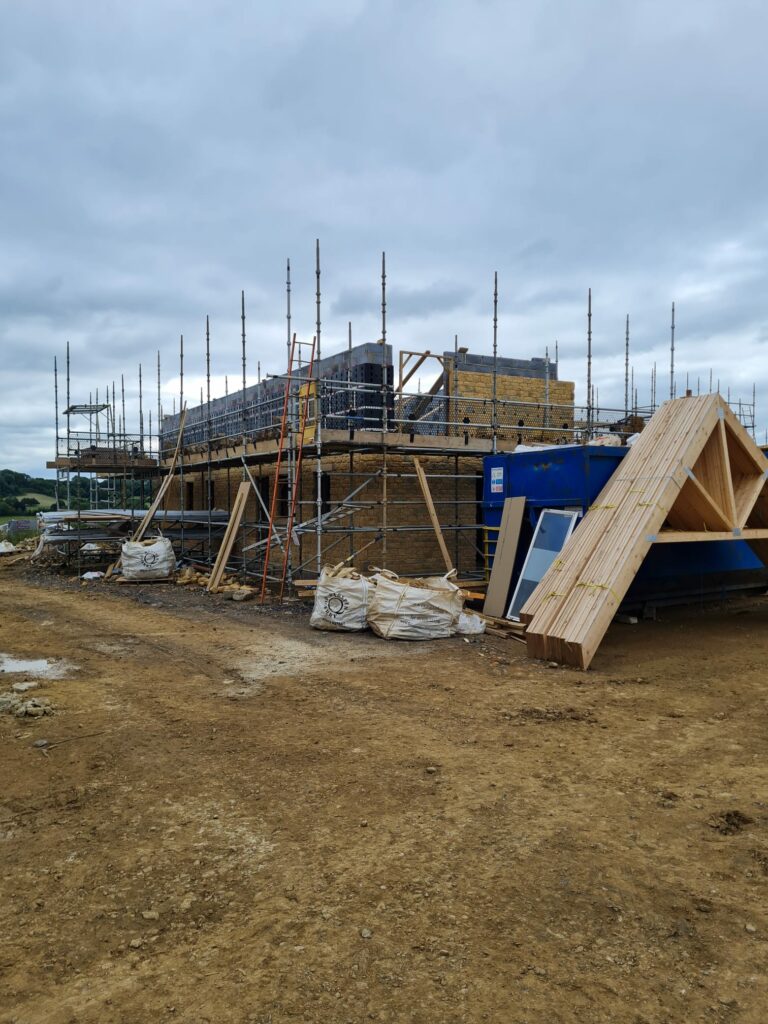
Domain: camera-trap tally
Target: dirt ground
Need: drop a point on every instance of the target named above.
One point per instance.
(237, 819)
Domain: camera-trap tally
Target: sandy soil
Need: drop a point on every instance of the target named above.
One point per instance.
(237, 819)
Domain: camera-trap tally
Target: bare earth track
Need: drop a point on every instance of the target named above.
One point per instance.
(240, 820)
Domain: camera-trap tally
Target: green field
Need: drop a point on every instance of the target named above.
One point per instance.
(44, 500)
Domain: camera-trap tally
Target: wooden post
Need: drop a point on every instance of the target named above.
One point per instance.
(433, 514)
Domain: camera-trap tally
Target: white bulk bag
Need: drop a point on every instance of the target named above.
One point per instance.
(406, 611)
(341, 600)
(148, 559)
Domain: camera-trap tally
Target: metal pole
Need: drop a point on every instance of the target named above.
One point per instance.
(68, 415)
(122, 402)
(123, 442)
(455, 418)
(242, 338)
(159, 412)
(754, 409)
(495, 359)
(288, 309)
(141, 414)
(317, 303)
(384, 424)
(456, 381)
(56, 408)
(209, 501)
(589, 363)
(350, 421)
(243, 421)
(182, 496)
(672, 355)
(149, 436)
(626, 369)
(318, 422)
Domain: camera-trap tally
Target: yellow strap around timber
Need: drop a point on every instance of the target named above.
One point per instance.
(600, 586)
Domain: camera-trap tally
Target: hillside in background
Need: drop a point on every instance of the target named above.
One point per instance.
(24, 495)
(21, 494)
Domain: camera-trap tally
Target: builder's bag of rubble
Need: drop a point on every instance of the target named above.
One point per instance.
(148, 559)
(426, 609)
(342, 599)
(468, 622)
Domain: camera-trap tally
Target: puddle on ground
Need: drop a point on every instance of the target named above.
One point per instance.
(40, 668)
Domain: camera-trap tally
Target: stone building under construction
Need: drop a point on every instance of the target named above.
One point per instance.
(334, 450)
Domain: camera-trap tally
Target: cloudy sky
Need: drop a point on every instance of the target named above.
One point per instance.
(157, 157)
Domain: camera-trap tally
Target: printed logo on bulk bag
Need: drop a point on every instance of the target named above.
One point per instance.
(336, 605)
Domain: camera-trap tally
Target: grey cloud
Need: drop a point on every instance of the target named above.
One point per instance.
(159, 157)
(402, 303)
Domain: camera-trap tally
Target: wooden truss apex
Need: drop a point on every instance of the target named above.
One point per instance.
(724, 482)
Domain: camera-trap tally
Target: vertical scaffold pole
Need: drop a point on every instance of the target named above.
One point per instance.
(384, 411)
(209, 495)
(318, 423)
(288, 309)
(141, 414)
(672, 355)
(68, 415)
(494, 383)
(182, 495)
(159, 412)
(56, 417)
(589, 364)
(626, 368)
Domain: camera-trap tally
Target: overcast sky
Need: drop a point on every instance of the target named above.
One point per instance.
(157, 157)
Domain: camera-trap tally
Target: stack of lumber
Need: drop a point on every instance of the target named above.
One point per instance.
(694, 469)
(225, 550)
(504, 628)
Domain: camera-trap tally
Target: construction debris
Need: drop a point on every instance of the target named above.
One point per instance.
(342, 600)
(148, 559)
(31, 707)
(420, 610)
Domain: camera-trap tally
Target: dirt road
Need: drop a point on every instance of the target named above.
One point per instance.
(237, 819)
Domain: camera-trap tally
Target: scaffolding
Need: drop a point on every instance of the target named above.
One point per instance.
(111, 465)
(328, 446)
(356, 442)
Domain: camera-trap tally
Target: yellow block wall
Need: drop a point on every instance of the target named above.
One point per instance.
(557, 413)
(407, 553)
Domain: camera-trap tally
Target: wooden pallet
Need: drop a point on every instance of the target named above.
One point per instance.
(694, 473)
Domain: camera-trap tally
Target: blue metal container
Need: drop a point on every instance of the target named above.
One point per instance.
(568, 477)
(572, 476)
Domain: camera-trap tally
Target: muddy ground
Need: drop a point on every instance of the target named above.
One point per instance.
(237, 819)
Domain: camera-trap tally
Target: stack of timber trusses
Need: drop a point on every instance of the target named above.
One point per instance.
(693, 474)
